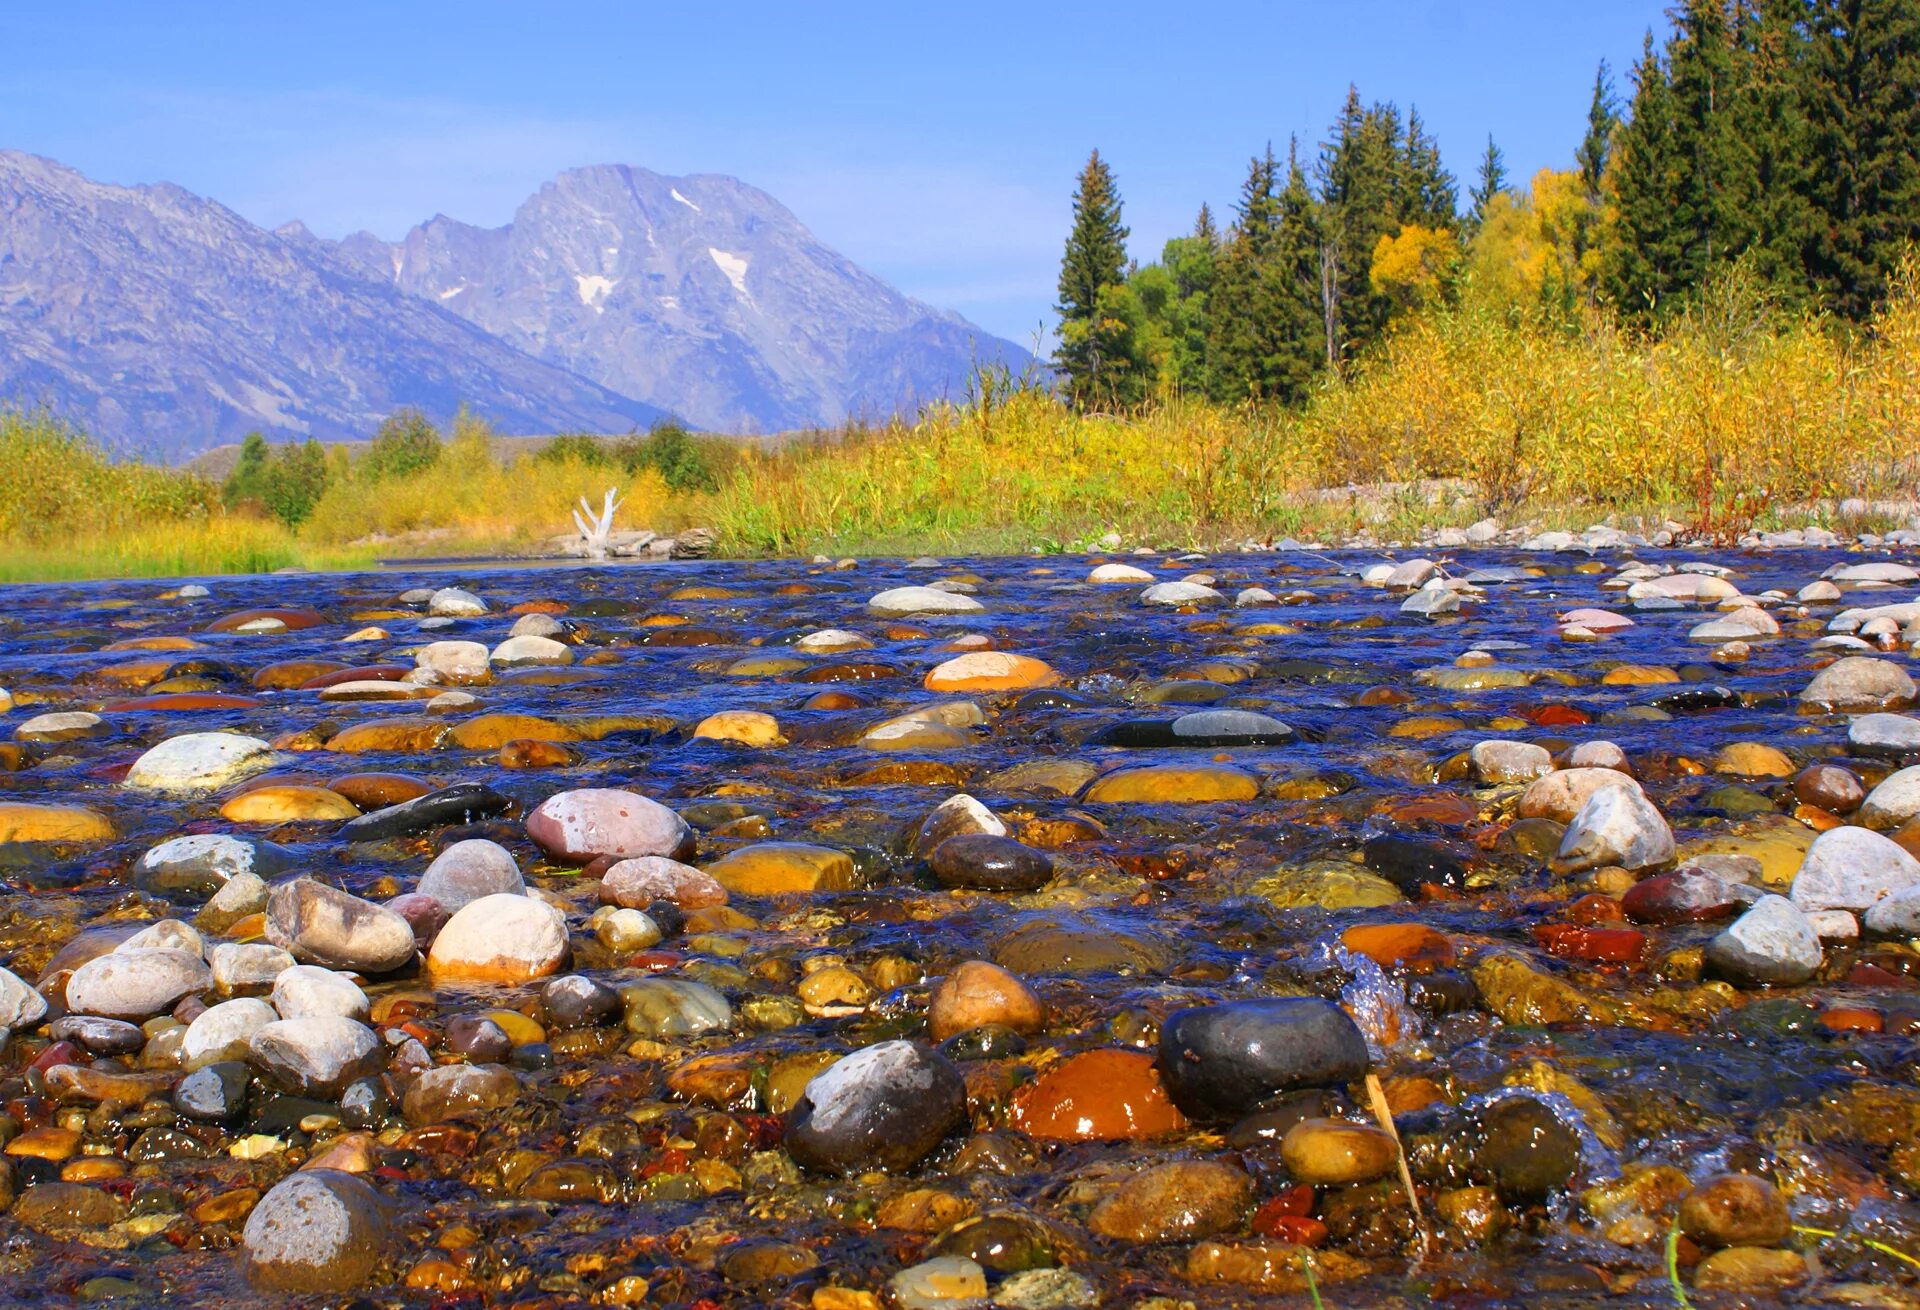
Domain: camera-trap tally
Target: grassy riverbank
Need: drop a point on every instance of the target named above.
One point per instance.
(1732, 416)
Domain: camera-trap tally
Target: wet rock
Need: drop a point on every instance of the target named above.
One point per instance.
(317, 1231)
(1174, 594)
(1335, 1153)
(673, 1008)
(1078, 945)
(468, 870)
(1223, 1061)
(1560, 795)
(1852, 868)
(1616, 826)
(778, 868)
(945, 1282)
(989, 670)
(982, 862)
(61, 1209)
(222, 1032)
(1750, 1268)
(1500, 762)
(977, 994)
(885, 1106)
(199, 762)
(316, 1056)
(576, 827)
(307, 991)
(22, 821)
(1524, 1149)
(901, 602)
(1735, 1210)
(1858, 684)
(1171, 784)
(1894, 802)
(956, 816)
(1884, 735)
(465, 802)
(200, 865)
(1174, 1202)
(452, 1090)
(1832, 788)
(529, 651)
(1771, 945)
(213, 1092)
(1095, 1096)
(742, 727)
(458, 662)
(289, 804)
(638, 883)
(1688, 894)
(324, 925)
(1410, 863)
(20, 1005)
(1274, 1268)
(136, 984)
(502, 938)
(70, 725)
(575, 1001)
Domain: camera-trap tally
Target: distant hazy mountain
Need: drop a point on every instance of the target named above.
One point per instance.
(701, 295)
(165, 324)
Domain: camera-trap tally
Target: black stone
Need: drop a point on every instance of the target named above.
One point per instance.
(979, 861)
(365, 1104)
(576, 1001)
(892, 1118)
(1409, 863)
(462, 803)
(1523, 1148)
(1225, 1061)
(214, 1092)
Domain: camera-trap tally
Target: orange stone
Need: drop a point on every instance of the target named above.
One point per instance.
(389, 735)
(1098, 1096)
(179, 702)
(375, 791)
(978, 993)
(284, 675)
(288, 804)
(490, 732)
(1592, 945)
(1412, 947)
(536, 755)
(1850, 1019)
(991, 671)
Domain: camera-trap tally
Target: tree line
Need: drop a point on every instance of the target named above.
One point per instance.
(1779, 137)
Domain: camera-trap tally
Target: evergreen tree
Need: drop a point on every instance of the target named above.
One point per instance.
(1362, 192)
(1493, 180)
(249, 471)
(1772, 213)
(1715, 179)
(1203, 228)
(1426, 192)
(1644, 253)
(1265, 332)
(1596, 147)
(1863, 127)
(1092, 345)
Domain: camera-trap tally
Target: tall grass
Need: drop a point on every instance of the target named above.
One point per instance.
(1729, 415)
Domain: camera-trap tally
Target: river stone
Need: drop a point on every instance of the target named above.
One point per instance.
(456, 603)
(454, 661)
(1228, 728)
(24, 821)
(136, 984)
(99, 1036)
(324, 925)
(214, 1092)
(946, 1282)
(885, 1106)
(1894, 802)
(1735, 1210)
(1851, 868)
(463, 802)
(502, 938)
(1887, 735)
(307, 991)
(528, 651)
(1335, 1153)
(61, 1209)
(1689, 894)
(1616, 826)
(1174, 784)
(166, 935)
(978, 861)
(199, 762)
(1105, 574)
(1175, 1202)
(1498, 762)
(638, 883)
(318, 1230)
(673, 1007)
(577, 827)
(1181, 593)
(1771, 945)
(900, 602)
(777, 867)
(1858, 683)
(978, 993)
(64, 725)
(1221, 1062)
(317, 1055)
(240, 966)
(222, 1032)
(21, 1006)
(468, 870)
(1561, 794)
(576, 1001)
(1523, 1148)
(448, 1090)
(201, 864)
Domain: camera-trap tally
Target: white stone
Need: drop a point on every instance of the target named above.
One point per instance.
(923, 600)
(1180, 593)
(1616, 826)
(1850, 868)
(198, 762)
(221, 1032)
(136, 984)
(502, 937)
(307, 991)
(238, 966)
(515, 652)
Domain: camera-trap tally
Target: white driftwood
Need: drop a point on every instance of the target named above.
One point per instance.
(595, 529)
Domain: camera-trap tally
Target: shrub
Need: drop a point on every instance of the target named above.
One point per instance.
(405, 444)
(284, 482)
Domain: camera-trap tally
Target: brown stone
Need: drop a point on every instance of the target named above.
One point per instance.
(1098, 1096)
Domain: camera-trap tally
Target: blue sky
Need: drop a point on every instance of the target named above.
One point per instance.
(936, 145)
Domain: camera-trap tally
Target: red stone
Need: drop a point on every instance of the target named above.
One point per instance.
(1853, 1019)
(1572, 941)
(1556, 716)
(362, 673)
(1594, 908)
(179, 701)
(294, 619)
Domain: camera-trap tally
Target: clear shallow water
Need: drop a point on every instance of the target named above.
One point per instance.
(1185, 892)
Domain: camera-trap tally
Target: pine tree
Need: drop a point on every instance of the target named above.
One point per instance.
(1863, 123)
(1603, 119)
(1426, 192)
(1265, 340)
(1203, 228)
(1363, 190)
(1493, 180)
(1642, 263)
(1093, 348)
(1773, 215)
(1715, 179)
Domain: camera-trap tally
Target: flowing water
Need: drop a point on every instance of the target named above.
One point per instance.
(647, 1168)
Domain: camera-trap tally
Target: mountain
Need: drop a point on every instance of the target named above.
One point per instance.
(165, 324)
(701, 295)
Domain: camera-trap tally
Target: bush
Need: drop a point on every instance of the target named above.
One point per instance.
(577, 448)
(406, 444)
(285, 483)
(686, 463)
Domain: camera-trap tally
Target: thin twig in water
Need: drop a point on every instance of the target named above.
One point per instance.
(1881, 1247)
(1313, 1287)
(1673, 1266)
(1377, 1097)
